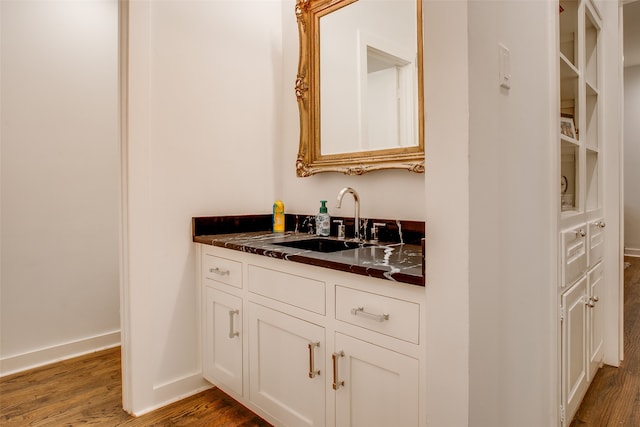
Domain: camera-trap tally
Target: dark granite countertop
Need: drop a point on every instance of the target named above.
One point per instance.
(390, 260)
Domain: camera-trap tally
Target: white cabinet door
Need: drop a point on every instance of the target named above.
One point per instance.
(375, 386)
(596, 320)
(222, 343)
(574, 347)
(286, 361)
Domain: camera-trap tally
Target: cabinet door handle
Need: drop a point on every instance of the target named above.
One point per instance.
(580, 233)
(232, 333)
(360, 312)
(592, 301)
(219, 271)
(336, 384)
(312, 369)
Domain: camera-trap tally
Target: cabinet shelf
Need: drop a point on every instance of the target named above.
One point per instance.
(592, 90)
(567, 140)
(567, 214)
(567, 69)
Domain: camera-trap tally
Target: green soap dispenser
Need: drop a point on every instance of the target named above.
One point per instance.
(323, 220)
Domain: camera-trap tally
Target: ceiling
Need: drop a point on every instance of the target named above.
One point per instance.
(632, 33)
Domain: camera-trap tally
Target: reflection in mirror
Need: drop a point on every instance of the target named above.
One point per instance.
(367, 79)
(359, 86)
(388, 119)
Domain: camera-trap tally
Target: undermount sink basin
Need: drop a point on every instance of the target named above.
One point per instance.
(320, 244)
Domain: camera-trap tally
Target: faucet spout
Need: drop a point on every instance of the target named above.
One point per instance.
(356, 200)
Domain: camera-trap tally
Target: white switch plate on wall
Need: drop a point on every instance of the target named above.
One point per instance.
(504, 64)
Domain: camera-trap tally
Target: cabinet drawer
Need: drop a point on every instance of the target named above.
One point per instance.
(302, 292)
(574, 254)
(379, 313)
(595, 274)
(222, 270)
(596, 242)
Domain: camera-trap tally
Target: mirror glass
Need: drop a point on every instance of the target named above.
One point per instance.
(359, 86)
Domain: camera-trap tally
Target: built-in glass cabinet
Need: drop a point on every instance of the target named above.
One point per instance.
(579, 130)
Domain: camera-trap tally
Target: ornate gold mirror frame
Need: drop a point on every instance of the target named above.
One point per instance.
(310, 160)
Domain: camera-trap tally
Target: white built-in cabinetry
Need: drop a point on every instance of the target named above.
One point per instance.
(309, 346)
(581, 319)
(581, 225)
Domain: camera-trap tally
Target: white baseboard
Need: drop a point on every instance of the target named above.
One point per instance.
(45, 356)
(173, 391)
(632, 252)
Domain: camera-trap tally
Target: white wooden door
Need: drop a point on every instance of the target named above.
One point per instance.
(222, 364)
(596, 320)
(574, 347)
(286, 360)
(375, 386)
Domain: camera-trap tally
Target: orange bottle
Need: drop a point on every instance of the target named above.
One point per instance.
(278, 216)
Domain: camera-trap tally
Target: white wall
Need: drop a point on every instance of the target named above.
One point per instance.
(60, 180)
(632, 160)
(512, 216)
(204, 119)
(447, 211)
(612, 197)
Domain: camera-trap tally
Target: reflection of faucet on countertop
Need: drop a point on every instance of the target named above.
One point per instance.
(356, 199)
(308, 224)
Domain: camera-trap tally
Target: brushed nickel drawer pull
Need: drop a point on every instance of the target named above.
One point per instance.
(312, 369)
(336, 384)
(360, 312)
(232, 333)
(217, 270)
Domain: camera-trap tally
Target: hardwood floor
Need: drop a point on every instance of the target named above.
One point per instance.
(613, 399)
(87, 390)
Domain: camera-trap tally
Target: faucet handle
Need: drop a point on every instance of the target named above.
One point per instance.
(374, 230)
(341, 232)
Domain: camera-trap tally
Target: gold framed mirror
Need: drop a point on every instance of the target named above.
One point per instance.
(360, 86)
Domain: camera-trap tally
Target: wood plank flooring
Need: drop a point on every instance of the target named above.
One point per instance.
(613, 399)
(87, 390)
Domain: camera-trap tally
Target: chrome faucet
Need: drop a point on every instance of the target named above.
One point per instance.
(356, 200)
